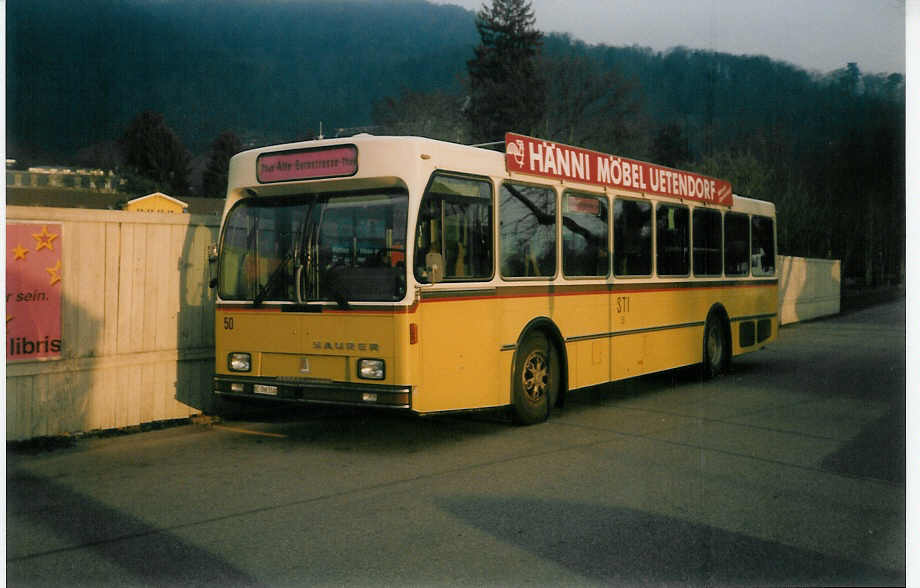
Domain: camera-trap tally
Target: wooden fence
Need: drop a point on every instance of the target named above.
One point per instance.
(136, 323)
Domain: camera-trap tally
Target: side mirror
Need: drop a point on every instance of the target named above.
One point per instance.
(212, 265)
(434, 267)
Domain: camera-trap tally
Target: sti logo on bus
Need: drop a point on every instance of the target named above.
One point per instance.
(553, 160)
(307, 164)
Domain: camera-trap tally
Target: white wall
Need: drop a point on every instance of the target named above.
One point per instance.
(808, 288)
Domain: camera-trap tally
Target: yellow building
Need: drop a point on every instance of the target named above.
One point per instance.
(156, 202)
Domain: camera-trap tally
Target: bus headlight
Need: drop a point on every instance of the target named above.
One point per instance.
(371, 369)
(239, 362)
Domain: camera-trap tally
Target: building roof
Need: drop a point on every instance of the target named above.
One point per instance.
(159, 195)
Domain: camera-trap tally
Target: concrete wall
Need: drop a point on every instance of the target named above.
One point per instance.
(137, 325)
(808, 288)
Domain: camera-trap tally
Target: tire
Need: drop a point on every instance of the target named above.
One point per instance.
(535, 380)
(715, 347)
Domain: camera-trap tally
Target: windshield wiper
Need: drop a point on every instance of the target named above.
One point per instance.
(309, 244)
(264, 290)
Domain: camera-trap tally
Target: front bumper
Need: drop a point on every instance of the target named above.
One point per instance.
(307, 390)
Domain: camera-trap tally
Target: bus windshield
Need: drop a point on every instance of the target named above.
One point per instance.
(316, 247)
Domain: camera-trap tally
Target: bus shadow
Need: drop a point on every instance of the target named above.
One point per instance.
(623, 546)
(364, 430)
(345, 428)
(645, 385)
(675, 385)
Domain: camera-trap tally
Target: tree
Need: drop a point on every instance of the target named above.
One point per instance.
(506, 90)
(670, 146)
(214, 178)
(435, 115)
(588, 105)
(155, 155)
(747, 174)
(105, 155)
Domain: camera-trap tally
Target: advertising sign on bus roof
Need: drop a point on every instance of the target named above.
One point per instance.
(529, 155)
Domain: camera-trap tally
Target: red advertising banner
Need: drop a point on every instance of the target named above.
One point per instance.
(307, 164)
(553, 160)
(34, 280)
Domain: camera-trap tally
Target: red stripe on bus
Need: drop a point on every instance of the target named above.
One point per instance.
(544, 292)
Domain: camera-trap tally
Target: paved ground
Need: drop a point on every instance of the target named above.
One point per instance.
(790, 470)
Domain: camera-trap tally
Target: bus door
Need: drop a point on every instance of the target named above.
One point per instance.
(457, 316)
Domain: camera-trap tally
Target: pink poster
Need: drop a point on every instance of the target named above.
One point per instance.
(34, 280)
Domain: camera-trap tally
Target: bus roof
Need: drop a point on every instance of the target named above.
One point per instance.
(269, 169)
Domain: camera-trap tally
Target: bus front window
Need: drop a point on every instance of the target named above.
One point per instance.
(356, 249)
(341, 247)
(257, 253)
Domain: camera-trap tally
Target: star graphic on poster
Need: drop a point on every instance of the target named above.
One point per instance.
(9, 318)
(53, 272)
(44, 239)
(19, 253)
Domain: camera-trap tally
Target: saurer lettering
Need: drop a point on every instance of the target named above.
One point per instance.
(344, 346)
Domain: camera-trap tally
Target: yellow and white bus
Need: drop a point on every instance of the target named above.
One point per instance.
(428, 276)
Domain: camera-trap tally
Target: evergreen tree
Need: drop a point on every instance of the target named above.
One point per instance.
(153, 152)
(214, 178)
(506, 90)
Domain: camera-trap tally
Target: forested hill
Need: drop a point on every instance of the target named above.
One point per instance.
(79, 71)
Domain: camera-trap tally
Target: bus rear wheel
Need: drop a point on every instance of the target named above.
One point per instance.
(535, 380)
(715, 347)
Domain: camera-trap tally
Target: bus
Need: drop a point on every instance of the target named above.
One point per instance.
(431, 277)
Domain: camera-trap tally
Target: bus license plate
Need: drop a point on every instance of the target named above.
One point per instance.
(267, 390)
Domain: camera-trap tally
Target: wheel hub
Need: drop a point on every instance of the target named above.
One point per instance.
(535, 376)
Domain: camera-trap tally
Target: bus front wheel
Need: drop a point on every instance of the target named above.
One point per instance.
(715, 347)
(536, 379)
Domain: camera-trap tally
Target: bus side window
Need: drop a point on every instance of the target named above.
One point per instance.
(455, 220)
(528, 231)
(632, 237)
(707, 242)
(584, 235)
(673, 239)
(763, 251)
(737, 244)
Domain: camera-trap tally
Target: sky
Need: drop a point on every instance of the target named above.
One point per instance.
(817, 35)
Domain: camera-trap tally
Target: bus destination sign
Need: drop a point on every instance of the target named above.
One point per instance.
(545, 158)
(307, 164)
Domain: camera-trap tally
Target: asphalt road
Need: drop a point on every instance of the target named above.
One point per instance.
(789, 470)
